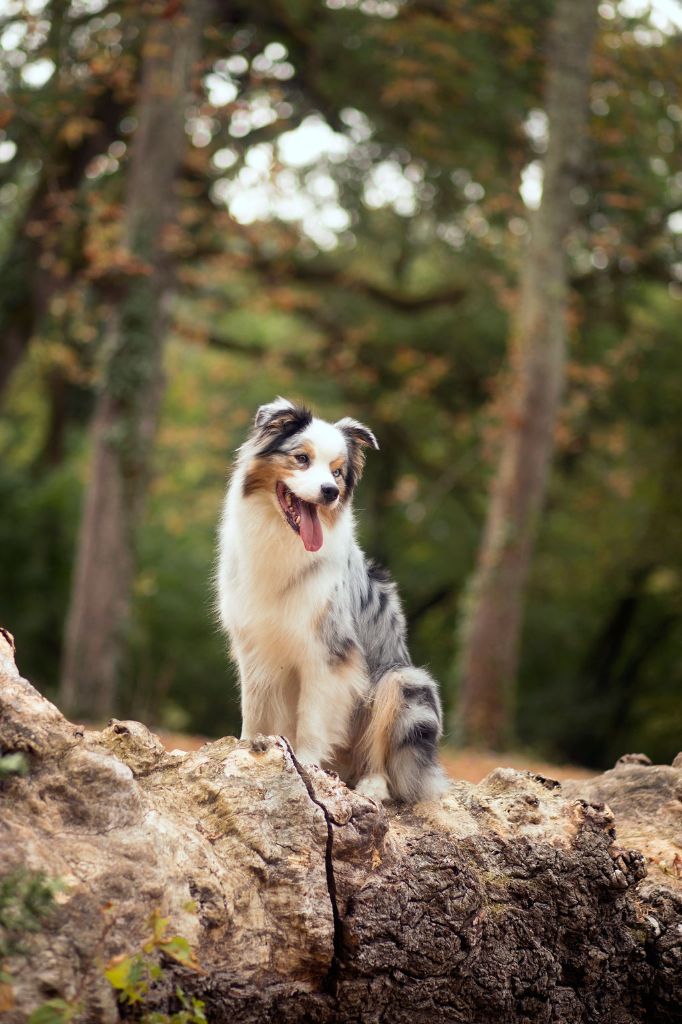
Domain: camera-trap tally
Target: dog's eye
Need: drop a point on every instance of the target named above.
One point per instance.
(302, 459)
(337, 473)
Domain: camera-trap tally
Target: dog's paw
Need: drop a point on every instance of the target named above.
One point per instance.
(375, 787)
(259, 743)
(307, 756)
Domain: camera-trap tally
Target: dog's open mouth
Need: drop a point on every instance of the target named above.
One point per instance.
(301, 516)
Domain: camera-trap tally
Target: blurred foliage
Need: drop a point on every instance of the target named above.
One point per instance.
(26, 899)
(400, 319)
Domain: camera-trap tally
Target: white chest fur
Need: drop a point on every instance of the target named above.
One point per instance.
(272, 592)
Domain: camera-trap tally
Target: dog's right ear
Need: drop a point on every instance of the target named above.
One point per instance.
(272, 409)
(276, 422)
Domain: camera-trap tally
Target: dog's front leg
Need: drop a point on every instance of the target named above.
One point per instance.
(253, 697)
(269, 695)
(328, 696)
(254, 718)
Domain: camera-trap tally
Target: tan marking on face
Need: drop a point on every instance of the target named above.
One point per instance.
(303, 448)
(330, 516)
(263, 474)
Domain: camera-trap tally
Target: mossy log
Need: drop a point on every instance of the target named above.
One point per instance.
(515, 900)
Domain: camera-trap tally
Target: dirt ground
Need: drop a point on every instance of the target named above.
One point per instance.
(467, 764)
(474, 765)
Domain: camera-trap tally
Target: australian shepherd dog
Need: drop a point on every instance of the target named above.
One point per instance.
(316, 629)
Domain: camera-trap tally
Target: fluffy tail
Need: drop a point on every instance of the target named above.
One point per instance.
(401, 740)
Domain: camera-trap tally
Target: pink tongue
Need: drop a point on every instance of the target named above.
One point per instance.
(311, 531)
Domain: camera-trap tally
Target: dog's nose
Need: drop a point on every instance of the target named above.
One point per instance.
(330, 493)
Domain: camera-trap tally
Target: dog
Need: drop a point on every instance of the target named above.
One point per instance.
(316, 629)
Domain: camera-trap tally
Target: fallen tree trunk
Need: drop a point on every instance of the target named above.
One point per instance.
(509, 901)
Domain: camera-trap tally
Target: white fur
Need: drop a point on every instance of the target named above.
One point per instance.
(268, 602)
(374, 786)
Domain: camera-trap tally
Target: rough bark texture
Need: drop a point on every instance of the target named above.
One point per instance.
(508, 901)
(127, 408)
(493, 613)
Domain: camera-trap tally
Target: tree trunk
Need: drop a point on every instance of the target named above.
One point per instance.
(302, 901)
(49, 237)
(492, 616)
(127, 408)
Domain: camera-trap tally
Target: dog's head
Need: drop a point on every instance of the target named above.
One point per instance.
(307, 466)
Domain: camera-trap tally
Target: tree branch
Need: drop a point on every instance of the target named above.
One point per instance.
(317, 275)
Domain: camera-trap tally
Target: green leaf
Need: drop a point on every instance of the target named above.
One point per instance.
(177, 947)
(13, 764)
(130, 976)
(119, 974)
(159, 925)
(54, 1011)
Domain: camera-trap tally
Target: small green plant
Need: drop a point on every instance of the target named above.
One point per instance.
(26, 897)
(13, 764)
(133, 975)
(55, 1011)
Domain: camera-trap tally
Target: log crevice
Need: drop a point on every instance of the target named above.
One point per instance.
(330, 981)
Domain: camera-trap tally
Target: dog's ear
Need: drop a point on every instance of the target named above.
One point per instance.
(267, 412)
(358, 437)
(276, 422)
(357, 433)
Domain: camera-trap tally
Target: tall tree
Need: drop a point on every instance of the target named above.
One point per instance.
(493, 613)
(127, 407)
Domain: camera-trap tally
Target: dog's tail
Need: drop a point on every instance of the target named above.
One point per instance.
(401, 740)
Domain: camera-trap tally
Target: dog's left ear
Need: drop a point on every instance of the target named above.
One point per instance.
(357, 432)
(359, 437)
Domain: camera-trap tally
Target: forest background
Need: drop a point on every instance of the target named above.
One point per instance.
(203, 205)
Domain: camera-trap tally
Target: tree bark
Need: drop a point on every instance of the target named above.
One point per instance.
(28, 281)
(126, 412)
(493, 611)
(506, 901)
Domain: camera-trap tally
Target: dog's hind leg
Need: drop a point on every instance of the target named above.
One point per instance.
(401, 739)
(384, 711)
